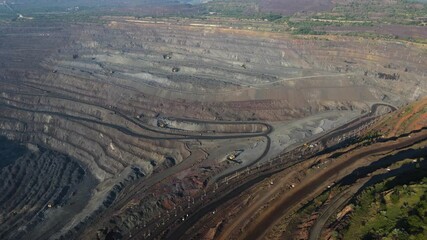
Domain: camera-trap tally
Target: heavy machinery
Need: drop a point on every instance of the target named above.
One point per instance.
(231, 156)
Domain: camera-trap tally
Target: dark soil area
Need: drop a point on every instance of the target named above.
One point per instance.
(40, 191)
(9, 152)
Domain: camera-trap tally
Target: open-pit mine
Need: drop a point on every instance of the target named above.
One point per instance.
(185, 128)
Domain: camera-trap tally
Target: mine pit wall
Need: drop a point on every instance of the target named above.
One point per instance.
(223, 127)
(104, 151)
(41, 191)
(294, 52)
(284, 104)
(107, 153)
(136, 50)
(70, 125)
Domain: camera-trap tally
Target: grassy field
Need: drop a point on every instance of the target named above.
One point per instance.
(394, 209)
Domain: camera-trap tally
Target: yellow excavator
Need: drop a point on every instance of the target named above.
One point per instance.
(231, 156)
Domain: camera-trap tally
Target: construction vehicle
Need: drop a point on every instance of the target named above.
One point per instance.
(162, 124)
(231, 156)
(167, 56)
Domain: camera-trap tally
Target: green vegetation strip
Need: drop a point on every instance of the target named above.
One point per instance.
(393, 209)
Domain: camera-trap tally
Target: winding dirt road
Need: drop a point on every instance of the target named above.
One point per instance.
(260, 174)
(306, 189)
